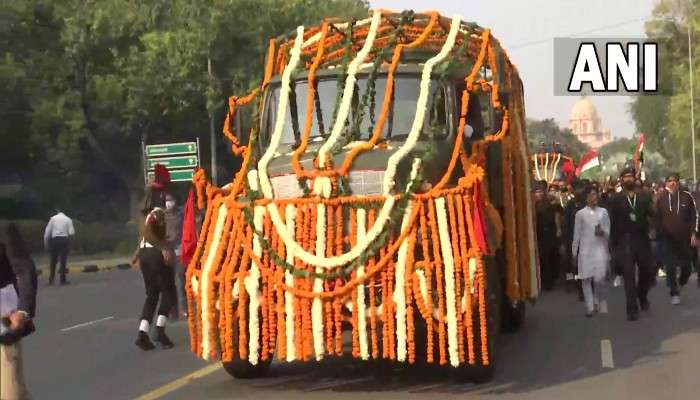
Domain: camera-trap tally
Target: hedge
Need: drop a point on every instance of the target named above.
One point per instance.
(90, 238)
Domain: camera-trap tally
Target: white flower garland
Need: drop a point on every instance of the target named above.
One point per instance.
(554, 168)
(421, 106)
(450, 297)
(349, 89)
(195, 285)
(400, 290)
(290, 214)
(361, 304)
(208, 265)
(332, 262)
(295, 54)
(535, 158)
(266, 187)
(546, 164)
(252, 282)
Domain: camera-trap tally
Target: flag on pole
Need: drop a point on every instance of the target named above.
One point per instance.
(589, 161)
(639, 153)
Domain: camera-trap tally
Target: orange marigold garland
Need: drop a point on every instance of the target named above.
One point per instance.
(456, 249)
(428, 265)
(439, 281)
(462, 209)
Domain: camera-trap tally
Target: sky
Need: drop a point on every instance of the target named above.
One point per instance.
(526, 30)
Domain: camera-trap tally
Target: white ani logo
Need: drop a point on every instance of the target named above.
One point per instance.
(619, 62)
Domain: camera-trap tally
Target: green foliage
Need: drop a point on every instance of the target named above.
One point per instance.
(547, 131)
(90, 238)
(85, 81)
(665, 118)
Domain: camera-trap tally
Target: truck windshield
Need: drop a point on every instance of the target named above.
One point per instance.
(398, 123)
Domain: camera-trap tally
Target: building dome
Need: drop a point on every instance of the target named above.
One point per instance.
(584, 110)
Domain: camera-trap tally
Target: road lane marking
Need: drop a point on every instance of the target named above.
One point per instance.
(606, 355)
(180, 382)
(70, 328)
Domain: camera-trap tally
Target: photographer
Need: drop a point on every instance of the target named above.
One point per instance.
(18, 284)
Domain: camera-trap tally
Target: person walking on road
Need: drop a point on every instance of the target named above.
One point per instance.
(155, 260)
(18, 285)
(630, 215)
(590, 249)
(677, 228)
(173, 229)
(572, 207)
(57, 241)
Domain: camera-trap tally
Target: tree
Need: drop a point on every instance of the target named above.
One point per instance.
(92, 79)
(665, 117)
(547, 131)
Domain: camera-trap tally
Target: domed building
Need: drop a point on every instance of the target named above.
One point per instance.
(586, 126)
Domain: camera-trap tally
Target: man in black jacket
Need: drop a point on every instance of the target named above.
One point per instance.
(677, 230)
(18, 284)
(630, 215)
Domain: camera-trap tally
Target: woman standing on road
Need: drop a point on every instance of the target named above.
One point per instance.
(590, 247)
(156, 262)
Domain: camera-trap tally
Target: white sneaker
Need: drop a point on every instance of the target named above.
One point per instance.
(618, 281)
(675, 300)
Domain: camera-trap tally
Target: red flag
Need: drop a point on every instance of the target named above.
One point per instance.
(189, 232)
(568, 171)
(639, 153)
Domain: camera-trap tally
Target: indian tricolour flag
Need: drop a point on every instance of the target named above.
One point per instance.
(639, 153)
(588, 162)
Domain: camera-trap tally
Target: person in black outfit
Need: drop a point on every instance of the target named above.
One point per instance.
(677, 229)
(18, 278)
(155, 261)
(630, 214)
(547, 238)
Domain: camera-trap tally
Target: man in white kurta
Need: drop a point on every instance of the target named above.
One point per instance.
(590, 247)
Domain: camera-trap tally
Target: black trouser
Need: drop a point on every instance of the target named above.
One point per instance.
(58, 247)
(674, 261)
(180, 294)
(632, 255)
(549, 263)
(159, 280)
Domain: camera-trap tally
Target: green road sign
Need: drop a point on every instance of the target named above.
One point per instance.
(177, 175)
(173, 162)
(169, 149)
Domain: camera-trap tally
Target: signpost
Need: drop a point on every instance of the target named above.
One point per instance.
(178, 175)
(181, 160)
(173, 162)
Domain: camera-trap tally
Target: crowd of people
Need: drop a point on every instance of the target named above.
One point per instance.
(626, 231)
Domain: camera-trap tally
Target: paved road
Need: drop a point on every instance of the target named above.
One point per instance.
(558, 355)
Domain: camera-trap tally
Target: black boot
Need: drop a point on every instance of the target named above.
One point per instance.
(162, 339)
(144, 342)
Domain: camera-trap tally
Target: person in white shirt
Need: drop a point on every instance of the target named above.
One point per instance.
(57, 240)
(590, 247)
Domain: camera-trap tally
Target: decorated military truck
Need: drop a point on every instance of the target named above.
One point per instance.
(383, 207)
